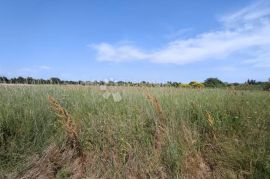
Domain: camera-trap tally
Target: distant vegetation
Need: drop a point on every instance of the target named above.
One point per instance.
(208, 83)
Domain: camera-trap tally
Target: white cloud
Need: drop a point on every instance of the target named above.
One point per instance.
(44, 67)
(178, 33)
(118, 53)
(246, 31)
(249, 14)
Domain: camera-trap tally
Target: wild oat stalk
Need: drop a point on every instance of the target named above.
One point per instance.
(66, 120)
(160, 124)
(210, 121)
(156, 105)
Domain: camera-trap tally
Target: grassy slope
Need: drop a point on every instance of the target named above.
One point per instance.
(118, 137)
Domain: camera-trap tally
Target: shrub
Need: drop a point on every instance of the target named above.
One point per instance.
(267, 87)
(213, 82)
(184, 86)
(195, 84)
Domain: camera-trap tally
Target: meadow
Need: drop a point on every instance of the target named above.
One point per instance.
(69, 131)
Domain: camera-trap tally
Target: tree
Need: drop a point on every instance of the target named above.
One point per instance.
(20, 80)
(101, 83)
(30, 80)
(120, 83)
(55, 80)
(173, 84)
(251, 82)
(3, 79)
(214, 83)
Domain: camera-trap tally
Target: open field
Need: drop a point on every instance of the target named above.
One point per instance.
(132, 132)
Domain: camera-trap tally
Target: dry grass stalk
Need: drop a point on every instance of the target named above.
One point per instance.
(194, 166)
(193, 163)
(188, 136)
(52, 161)
(210, 119)
(160, 124)
(66, 120)
(156, 106)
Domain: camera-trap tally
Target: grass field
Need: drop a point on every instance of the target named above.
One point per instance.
(129, 132)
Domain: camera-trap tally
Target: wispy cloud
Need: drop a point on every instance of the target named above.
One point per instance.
(24, 69)
(32, 70)
(249, 14)
(178, 33)
(242, 34)
(44, 67)
(118, 53)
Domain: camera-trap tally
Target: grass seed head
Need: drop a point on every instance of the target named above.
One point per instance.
(66, 120)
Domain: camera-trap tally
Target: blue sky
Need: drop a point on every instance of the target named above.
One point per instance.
(135, 40)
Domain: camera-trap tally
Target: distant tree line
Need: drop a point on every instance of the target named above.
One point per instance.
(209, 82)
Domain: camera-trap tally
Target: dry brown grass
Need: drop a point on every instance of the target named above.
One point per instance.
(159, 136)
(194, 166)
(52, 161)
(210, 119)
(193, 163)
(67, 122)
(55, 158)
(160, 123)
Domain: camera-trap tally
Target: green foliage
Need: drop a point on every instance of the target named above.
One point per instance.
(4, 79)
(185, 86)
(267, 87)
(251, 82)
(64, 173)
(55, 80)
(213, 82)
(195, 84)
(210, 82)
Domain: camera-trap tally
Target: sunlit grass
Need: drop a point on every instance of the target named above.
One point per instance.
(210, 132)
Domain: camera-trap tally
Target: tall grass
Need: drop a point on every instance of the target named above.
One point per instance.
(209, 133)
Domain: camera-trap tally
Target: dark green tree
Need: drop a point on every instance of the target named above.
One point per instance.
(20, 80)
(30, 80)
(251, 82)
(4, 79)
(55, 80)
(214, 83)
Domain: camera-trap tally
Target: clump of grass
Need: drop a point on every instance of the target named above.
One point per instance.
(55, 161)
(160, 123)
(67, 121)
(160, 141)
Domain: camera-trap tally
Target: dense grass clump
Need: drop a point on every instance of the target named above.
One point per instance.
(146, 133)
